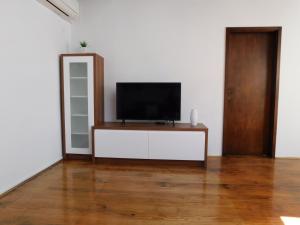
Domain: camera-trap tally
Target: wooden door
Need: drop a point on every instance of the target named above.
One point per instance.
(251, 90)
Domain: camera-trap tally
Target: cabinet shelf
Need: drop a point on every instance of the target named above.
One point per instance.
(78, 78)
(79, 115)
(78, 96)
(80, 133)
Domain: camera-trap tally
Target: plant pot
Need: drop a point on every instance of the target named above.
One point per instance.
(83, 49)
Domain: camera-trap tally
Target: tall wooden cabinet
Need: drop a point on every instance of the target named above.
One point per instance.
(82, 101)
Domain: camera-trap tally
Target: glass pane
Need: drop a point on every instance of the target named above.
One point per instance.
(78, 87)
(78, 69)
(80, 141)
(79, 124)
(79, 105)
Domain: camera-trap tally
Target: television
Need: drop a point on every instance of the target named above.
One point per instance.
(148, 101)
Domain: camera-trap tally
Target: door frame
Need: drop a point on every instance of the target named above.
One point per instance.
(278, 32)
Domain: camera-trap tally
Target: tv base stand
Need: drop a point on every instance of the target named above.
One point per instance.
(123, 122)
(176, 141)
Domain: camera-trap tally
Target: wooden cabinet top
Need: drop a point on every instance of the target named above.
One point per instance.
(81, 54)
(150, 126)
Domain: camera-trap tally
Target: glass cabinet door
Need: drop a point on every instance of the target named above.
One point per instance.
(79, 105)
(78, 88)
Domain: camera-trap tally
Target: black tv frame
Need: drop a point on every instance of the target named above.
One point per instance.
(159, 83)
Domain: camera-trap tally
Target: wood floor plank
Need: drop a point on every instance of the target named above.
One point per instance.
(232, 191)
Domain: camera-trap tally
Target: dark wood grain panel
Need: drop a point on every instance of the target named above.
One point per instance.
(98, 89)
(151, 126)
(229, 192)
(152, 162)
(69, 156)
(251, 90)
(81, 54)
(98, 62)
(62, 106)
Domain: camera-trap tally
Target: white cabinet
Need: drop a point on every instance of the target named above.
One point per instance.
(121, 144)
(176, 145)
(78, 96)
(131, 141)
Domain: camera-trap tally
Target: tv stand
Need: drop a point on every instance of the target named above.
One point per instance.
(157, 123)
(123, 122)
(161, 123)
(166, 123)
(172, 141)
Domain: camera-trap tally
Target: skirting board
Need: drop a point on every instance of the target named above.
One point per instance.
(77, 157)
(282, 157)
(29, 179)
(148, 162)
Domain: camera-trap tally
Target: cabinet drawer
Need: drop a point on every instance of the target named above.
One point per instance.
(121, 144)
(176, 145)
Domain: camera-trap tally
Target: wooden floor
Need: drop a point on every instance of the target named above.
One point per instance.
(232, 190)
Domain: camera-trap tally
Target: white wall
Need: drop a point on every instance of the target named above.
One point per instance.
(72, 4)
(31, 39)
(184, 40)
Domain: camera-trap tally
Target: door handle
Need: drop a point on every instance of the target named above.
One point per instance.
(229, 94)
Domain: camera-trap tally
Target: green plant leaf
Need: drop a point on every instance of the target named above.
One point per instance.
(83, 44)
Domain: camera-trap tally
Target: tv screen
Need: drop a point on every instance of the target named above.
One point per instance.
(148, 101)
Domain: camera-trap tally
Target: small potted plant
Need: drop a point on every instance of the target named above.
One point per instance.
(83, 46)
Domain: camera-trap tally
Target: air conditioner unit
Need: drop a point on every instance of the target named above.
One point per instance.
(68, 9)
